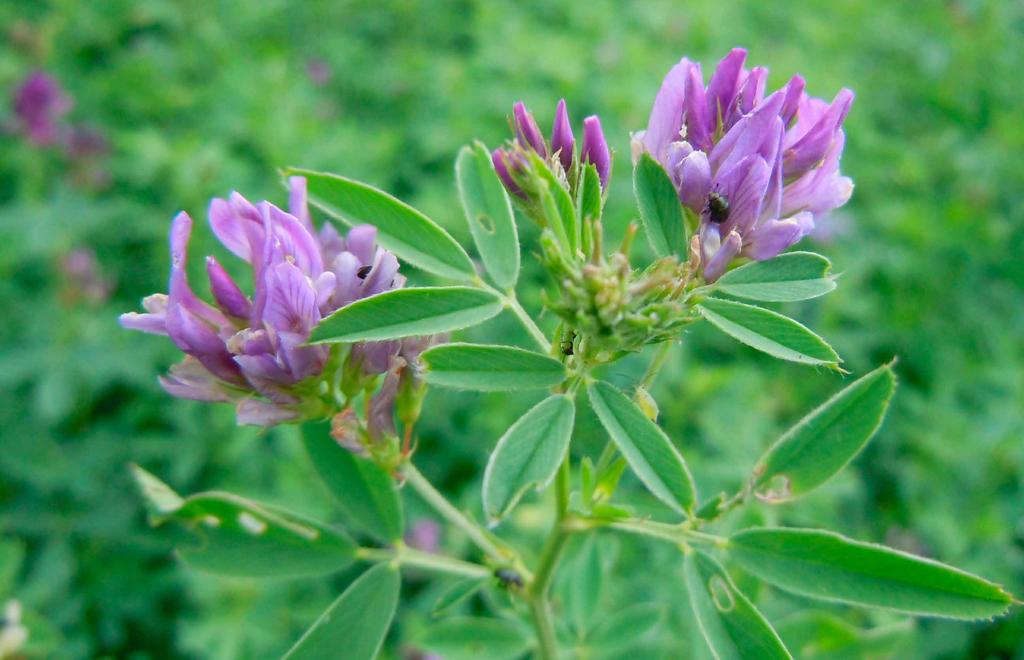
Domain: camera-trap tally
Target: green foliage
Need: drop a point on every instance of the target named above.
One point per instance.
(489, 214)
(659, 208)
(769, 332)
(407, 312)
(786, 278)
(729, 622)
(237, 537)
(529, 454)
(364, 491)
(472, 638)
(825, 565)
(825, 441)
(357, 622)
(412, 236)
(646, 448)
(928, 250)
(491, 368)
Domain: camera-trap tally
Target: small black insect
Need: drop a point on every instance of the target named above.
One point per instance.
(718, 208)
(363, 272)
(509, 578)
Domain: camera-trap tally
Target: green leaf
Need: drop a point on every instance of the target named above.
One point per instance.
(729, 622)
(583, 582)
(160, 500)
(591, 203)
(238, 537)
(475, 638)
(12, 554)
(769, 332)
(412, 236)
(786, 278)
(624, 628)
(825, 565)
(645, 446)
(660, 208)
(407, 312)
(456, 594)
(364, 491)
(489, 214)
(355, 624)
(827, 439)
(488, 368)
(560, 210)
(529, 454)
(824, 635)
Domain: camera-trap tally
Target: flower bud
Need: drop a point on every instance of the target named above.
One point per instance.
(562, 140)
(595, 149)
(527, 130)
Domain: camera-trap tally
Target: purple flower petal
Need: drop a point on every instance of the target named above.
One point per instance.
(718, 259)
(774, 236)
(724, 84)
(362, 242)
(694, 185)
(562, 141)
(666, 118)
(291, 301)
(698, 123)
(298, 205)
(190, 380)
(595, 149)
(527, 130)
(256, 412)
(229, 297)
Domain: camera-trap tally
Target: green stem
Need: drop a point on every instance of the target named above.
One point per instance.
(535, 332)
(664, 532)
(540, 605)
(440, 504)
(657, 362)
(562, 487)
(406, 556)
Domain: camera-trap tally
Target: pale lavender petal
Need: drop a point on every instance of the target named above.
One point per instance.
(190, 380)
(527, 130)
(362, 242)
(812, 147)
(195, 337)
(753, 134)
(744, 187)
(331, 242)
(375, 356)
(226, 292)
(724, 83)
(237, 225)
(301, 360)
(381, 423)
(794, 93)
(695, 181)
(256, 412)
(298, 204)
(346, 289)
(295, 241)
(152, 323)
(291, 301)
(751, 91)
(774, 236)
(666, 118)
(699, 124)
(381, 275)
(720, 259)
(324, 287)
(562, 141)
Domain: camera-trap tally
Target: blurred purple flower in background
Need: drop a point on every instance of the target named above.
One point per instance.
(40, 105)
(758, 170)
(425, 535)
(252, 351)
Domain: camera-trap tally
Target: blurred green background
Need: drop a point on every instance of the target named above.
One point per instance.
(196, 98)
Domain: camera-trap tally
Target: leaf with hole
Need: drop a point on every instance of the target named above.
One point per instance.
(412, 236)
(827, 566)
(660, 208)
(786, 278)
(354, 625)
(364, 492)
(238, 537)
(768, 332)
(489, 368)
(646, 448)
(528, 455)
(489, 214)
(728, 621)
(408, 312)
(826, 440)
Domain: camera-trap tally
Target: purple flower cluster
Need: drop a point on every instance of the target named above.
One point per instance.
(40, 105)
(758, 170)
(509, 162)
(253, 351)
